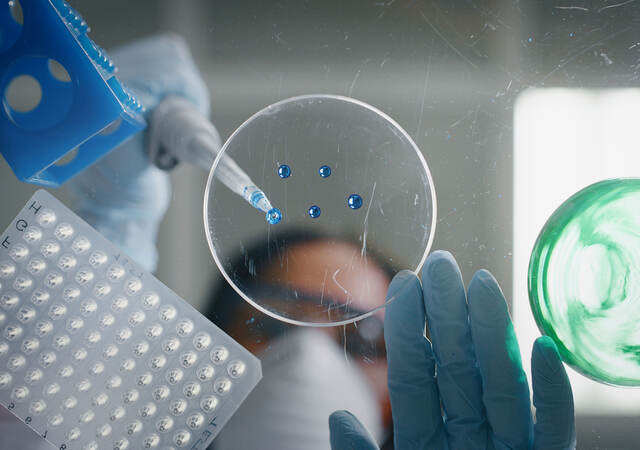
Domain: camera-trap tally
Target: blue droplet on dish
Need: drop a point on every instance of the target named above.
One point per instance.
(324, 171)
(284, 171)
(314, 212)
(354, 201)
(274, 216)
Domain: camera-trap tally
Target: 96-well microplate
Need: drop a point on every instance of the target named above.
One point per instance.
(96, 353)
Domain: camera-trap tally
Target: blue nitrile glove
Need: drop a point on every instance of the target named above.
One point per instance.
(123, 195)
(480, 382)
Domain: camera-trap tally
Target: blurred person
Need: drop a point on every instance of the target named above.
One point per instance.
(308, 372)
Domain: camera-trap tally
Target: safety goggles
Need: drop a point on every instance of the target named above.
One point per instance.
(362, 340)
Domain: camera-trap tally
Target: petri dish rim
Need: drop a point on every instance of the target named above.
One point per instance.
(244, 124)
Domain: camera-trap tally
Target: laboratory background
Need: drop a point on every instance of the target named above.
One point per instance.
(515, 106)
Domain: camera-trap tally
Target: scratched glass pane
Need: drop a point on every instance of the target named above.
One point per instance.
(452, 74)
(347, 181)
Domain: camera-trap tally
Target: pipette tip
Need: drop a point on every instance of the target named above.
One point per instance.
(259, 200)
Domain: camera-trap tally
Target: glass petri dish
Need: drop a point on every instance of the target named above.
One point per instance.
(356, 204)
(584, 281)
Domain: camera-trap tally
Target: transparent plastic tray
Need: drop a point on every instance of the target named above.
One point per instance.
(97, 353)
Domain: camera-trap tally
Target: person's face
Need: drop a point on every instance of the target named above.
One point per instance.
(306, 264)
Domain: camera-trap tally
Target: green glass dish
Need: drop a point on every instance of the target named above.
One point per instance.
(584, 281)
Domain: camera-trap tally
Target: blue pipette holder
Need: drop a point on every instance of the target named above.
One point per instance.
(82, 113)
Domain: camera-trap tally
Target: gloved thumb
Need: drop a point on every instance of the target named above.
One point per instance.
(347, 433)
(552, 396)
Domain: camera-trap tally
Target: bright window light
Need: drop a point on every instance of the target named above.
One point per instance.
(564, 140)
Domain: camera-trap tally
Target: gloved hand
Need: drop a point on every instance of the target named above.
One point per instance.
(123, 195)
(471, 366)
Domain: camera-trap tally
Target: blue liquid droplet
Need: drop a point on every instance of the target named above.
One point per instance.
(324, 171)
(284, 171)
(274, 216)
(354, 201)
(314, 212)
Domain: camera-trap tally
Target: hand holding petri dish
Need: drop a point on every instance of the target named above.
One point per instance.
(584, 281)
(338, 173)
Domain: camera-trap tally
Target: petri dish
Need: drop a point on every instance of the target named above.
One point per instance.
(584, 281)
(355, 203)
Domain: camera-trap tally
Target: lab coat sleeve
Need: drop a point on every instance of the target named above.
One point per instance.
(124, 196)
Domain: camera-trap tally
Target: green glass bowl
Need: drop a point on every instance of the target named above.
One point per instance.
(584, 281)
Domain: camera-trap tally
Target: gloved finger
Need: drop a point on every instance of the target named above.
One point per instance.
(505, 387)
(347, 433)
(555, 426)
(415, 403)
(458, 377)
